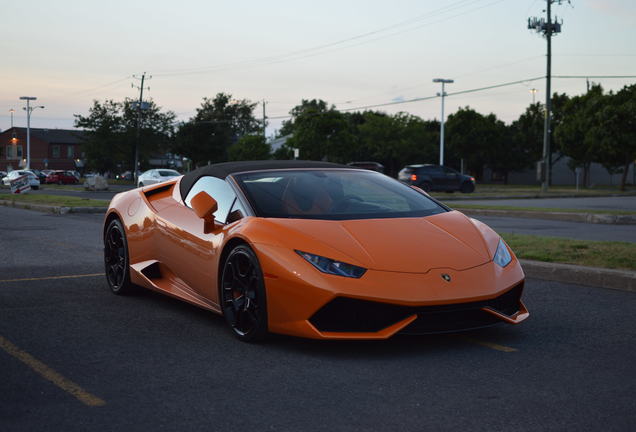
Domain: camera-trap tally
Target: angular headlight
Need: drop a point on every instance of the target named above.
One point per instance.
(502, 256)
(329, 266)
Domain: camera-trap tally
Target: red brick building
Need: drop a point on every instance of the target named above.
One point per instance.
(59, 149)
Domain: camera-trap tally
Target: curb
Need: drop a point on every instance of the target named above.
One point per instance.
(52, 209)
(593, 218)
(623, 280)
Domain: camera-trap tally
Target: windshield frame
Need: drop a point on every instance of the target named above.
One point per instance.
(244, 195)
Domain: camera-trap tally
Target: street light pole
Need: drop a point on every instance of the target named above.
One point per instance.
(11, 111)
(441, 126)
(29, 109)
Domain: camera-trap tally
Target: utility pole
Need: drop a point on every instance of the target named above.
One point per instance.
(29, 109)
(441, 125)
(139, 108)
(264, 121)
(548, 28)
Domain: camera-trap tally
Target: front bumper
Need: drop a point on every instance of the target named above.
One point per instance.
(304, 302)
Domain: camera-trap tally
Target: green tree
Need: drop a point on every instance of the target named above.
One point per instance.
(574, 131)
(395, 140)
(217, 124)
(111, 133)
(319, 131)
(614, 131)
(250, 147)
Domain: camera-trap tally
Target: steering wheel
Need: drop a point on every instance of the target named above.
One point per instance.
(344, 202)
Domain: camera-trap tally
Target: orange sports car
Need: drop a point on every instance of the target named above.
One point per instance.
(311, 249)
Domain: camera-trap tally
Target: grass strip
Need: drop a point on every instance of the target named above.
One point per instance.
(55, 200)
(543, 209)
(605, 254)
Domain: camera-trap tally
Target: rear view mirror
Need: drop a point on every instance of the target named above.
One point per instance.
(204, 207)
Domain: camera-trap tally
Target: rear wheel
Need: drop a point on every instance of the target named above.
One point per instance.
(140, 184)
(243, 295)
(467, 187)
(426, 186)
(116, 259)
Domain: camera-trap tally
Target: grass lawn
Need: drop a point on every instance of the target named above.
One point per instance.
(460, 207)
(55, 200)
(613, 255)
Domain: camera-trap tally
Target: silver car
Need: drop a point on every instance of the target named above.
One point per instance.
(33, 180)
(156, 176)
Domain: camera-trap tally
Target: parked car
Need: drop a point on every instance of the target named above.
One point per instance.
(33, 180)
(311, 249)
(61, 177)
(46, 171)
(373, 166)
(156, 176)
(75, 174)
(436, 178)
(39, 174)
(3, 174)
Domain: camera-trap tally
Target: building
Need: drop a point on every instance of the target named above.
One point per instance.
(59, 149)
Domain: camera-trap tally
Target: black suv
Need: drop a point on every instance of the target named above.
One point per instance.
(436, 178)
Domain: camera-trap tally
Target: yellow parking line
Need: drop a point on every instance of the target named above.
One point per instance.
(491, 345)
(51, 375)
(52, 277)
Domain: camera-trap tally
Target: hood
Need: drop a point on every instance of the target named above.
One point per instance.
(411, 245)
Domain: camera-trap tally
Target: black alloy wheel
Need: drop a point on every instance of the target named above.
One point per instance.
(243, 295)
(116, 259)
(426, 186)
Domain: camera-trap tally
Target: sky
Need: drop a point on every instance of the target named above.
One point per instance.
(351, 53)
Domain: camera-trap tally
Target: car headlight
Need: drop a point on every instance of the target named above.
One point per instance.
(329, 266)
(502, 256)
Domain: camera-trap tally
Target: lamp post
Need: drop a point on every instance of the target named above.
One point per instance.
(441, 126)
(29, 109)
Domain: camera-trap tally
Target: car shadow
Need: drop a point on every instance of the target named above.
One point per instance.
(400, 345)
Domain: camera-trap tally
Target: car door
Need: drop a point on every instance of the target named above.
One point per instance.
(186, 249)
(437, 176)
(451, 179)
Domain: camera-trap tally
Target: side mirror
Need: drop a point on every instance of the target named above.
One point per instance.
(204, 207)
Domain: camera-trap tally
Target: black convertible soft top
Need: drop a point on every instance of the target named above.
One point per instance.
(222, 170)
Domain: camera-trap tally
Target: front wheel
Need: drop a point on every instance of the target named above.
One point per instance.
(140, 184)
(243, 295)
(116, 259)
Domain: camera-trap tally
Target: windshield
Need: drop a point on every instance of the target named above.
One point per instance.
(168, 173)
(332, 194)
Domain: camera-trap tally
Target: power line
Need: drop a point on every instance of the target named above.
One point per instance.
(334, 46)
(467, 91)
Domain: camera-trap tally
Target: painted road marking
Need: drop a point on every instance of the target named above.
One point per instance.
(491, 345)
(51, 375)
(52, 277)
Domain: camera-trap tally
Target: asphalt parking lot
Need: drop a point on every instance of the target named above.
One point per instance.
(75, 357)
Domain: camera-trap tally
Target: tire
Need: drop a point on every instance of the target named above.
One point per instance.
(242, 295)
(467, 187)
(140, 184)
(426, 186)
(116, 262)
